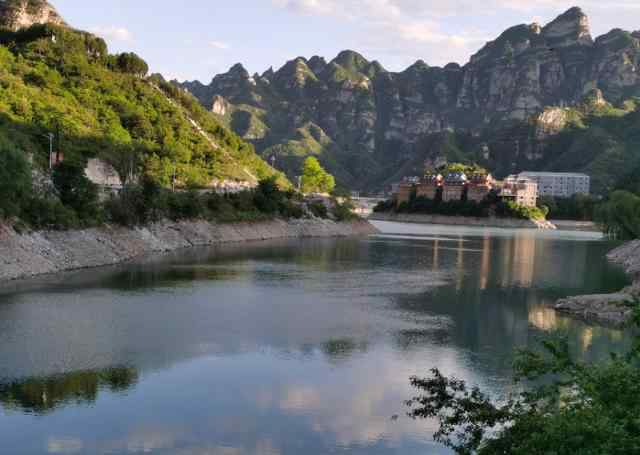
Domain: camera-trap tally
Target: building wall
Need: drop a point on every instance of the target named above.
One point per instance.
(102, 173)
(428, 191)
(562, 185)
(477, 193)
(452, 193)
(404, 193)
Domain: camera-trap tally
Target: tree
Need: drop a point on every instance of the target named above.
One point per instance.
(15, 182)
(76, 190)
(129, 62)
(620, 215)
(315, 179)
(578, 408)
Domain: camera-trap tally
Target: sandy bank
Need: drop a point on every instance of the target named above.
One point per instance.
(461, 220)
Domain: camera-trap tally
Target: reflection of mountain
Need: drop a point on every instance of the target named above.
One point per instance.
(44, 395)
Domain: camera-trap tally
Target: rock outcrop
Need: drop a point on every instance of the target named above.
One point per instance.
(38, 253)
(18, 14)
(609, 309)
(380, 122)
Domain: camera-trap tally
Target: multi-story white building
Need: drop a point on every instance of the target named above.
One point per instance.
(560, 184)
(519, 189)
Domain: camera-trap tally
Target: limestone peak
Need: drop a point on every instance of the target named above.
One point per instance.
(570, 28)
(19, 14)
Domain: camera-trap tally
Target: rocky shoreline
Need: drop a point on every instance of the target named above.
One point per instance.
(45, 252)
(462, 221)
(609, 309)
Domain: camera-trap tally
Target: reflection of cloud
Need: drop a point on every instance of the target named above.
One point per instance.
(64, 445)
(300, 399)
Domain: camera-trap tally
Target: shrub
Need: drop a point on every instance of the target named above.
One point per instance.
(318, 209)
(49, 213)
(344, 212)
(77, 191)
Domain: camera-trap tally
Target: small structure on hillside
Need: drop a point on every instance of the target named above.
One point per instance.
(103, 175)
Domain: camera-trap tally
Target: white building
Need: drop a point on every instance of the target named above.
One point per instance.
(520, 189)
(560, 184)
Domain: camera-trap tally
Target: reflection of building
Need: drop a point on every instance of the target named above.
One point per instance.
(520, 190)
(560, 184)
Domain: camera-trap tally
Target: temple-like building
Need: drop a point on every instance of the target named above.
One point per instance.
(455, 185)
(458, 186)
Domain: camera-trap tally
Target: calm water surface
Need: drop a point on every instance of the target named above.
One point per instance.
(282, 348)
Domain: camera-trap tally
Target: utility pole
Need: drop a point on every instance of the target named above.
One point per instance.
(51, 137)
(173, 180)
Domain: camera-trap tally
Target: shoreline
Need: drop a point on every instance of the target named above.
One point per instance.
(609, 309)
(38, 253)
(461, 221)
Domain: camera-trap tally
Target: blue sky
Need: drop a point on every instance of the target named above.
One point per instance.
(197, 39)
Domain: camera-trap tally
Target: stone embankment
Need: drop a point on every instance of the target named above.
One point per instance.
(44, 252)
(609, 309)
(462, 220)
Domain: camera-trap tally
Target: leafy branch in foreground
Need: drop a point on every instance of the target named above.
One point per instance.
(577, 407)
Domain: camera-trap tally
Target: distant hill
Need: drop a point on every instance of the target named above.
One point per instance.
(515, 105)
(57, 79)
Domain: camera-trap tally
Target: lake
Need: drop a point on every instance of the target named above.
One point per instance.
(292, 347)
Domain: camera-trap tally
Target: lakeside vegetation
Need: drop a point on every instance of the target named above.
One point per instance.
(567, 407)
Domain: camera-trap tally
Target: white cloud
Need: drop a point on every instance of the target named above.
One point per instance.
(441, 31)
(113, 33)
(220, 45)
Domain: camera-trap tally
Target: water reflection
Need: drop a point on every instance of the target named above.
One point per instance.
(44, 395)
(282, 347)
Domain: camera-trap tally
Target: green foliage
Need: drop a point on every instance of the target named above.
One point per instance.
(76, 191)
(575, 407)
(318, 209)
(148, 202)
(49, 213)
(315, 179)
(469, 169)
(491, 205)
(99, 105)
(344, 211)
(620, 215)
(580, 207)
(15, 182)
(128, 62)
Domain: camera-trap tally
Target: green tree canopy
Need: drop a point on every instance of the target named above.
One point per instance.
(15, 181)
(315, 179)
(620, 215)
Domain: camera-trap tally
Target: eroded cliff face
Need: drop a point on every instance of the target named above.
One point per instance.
(18, 14)
(378, 121)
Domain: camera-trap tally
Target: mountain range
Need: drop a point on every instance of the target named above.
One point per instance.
(537, 98)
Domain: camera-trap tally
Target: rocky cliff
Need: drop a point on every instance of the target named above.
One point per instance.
(18, 14)
(370, 125)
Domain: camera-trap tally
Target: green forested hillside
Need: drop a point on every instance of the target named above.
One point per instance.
(54, 79)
